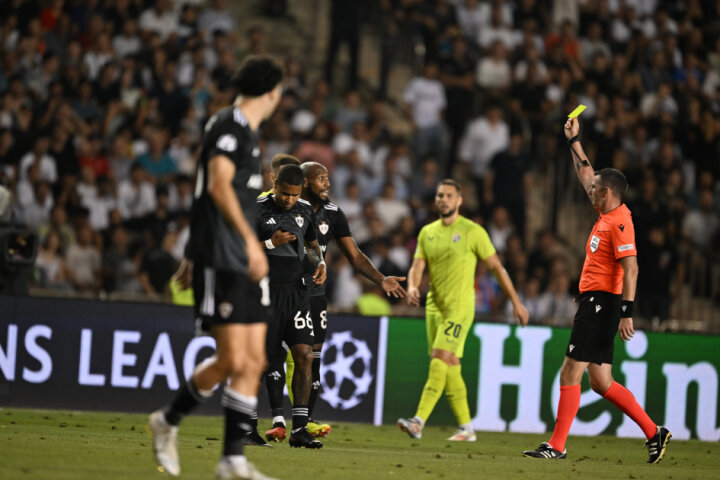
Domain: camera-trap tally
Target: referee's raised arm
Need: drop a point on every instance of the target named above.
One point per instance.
(583, 168)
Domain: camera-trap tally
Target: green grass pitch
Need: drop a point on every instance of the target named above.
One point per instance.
(39, 444)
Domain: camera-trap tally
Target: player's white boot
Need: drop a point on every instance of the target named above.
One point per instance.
(238, 468)
(463, 435)
(411, 426)
(164, 443)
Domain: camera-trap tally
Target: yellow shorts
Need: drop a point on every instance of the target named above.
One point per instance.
(448, 331)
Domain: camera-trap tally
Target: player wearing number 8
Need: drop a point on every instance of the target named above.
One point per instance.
(450, 247)
(286, 225)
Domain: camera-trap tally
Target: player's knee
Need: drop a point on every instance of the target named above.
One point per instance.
(232, 365)
(600, 385)
(303, 359)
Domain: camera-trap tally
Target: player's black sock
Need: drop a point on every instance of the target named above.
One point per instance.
(315, 382)
(275, 384)
(186, 400)
(300, 416)
(239, 413)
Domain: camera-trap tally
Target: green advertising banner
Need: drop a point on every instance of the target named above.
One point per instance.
(512, 377)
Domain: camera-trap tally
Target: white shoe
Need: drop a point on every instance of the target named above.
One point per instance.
(227, 470)
(164, 443)
(462, 435)
(410, 426)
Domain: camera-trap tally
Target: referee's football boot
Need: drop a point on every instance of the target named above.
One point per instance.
(546, 451)
(164, 438)
(277, 433)
(410, 426)
(238, 470)
(302, 438)
(318, 429)
(254, 439)
(656, 445)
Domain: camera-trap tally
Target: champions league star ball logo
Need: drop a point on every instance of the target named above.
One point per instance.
(346, 371)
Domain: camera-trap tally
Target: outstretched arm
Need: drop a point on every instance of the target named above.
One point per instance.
(582, 166)
(361, 263)
(519, 310)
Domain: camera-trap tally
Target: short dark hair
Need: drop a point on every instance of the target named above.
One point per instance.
(291, 175)
(257, 75)
(280, 160)
(614, 179)
(451, 182)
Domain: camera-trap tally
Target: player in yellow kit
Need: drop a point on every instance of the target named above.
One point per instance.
(450, 247)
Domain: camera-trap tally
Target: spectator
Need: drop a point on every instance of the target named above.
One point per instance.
(156, 162)
(700, 225)
(119, 271)
(161, 19)
(157, 265)
(344, 28)
(50, 265)
(136, 196)
(389, 209)
(83, 262)
(425, 102)
(483, 139)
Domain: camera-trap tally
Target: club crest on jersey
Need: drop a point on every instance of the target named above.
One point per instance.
(300, 220)
(324, 227)
(594, 243)
(456, 238)
(225, 309)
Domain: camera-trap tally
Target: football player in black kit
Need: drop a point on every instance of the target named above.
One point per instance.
(228, 269)
(332, 223)
(286, 224)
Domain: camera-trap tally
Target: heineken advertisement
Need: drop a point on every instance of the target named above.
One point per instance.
(513, 377)
(77, 354)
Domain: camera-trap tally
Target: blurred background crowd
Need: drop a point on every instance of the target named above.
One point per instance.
(103, 102)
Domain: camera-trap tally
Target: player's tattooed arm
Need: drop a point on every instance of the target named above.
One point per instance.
(315, 256)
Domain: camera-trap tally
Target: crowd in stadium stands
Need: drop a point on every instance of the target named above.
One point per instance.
(102, 105)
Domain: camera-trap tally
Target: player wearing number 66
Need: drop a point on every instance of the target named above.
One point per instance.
(286, 226)
(450, 247)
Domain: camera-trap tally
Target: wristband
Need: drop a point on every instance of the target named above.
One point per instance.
(626, 308)
(268, 244)
(322, 262)
(574, 139)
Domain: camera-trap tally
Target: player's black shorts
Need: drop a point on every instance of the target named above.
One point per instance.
(593, 332)
(291, 321)
(223, 297)
(318, 313)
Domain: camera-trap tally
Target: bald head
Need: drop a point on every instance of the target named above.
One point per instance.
(318, 182)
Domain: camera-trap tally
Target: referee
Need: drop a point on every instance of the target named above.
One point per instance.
(229, 269)
(605, 306)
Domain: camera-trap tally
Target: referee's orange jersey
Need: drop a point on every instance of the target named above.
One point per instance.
(612, 238)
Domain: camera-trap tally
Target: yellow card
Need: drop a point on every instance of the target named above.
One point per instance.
(575, 113)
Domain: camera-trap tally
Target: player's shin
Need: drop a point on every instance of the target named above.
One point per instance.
(568, 406)
(456, 392)
(239, 412)
(433, 388)
(187, 399)
(275, 384)
(316, 385)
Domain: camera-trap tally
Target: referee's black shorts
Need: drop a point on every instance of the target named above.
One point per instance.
(291, 321)
(223, 297)
(592, 338)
